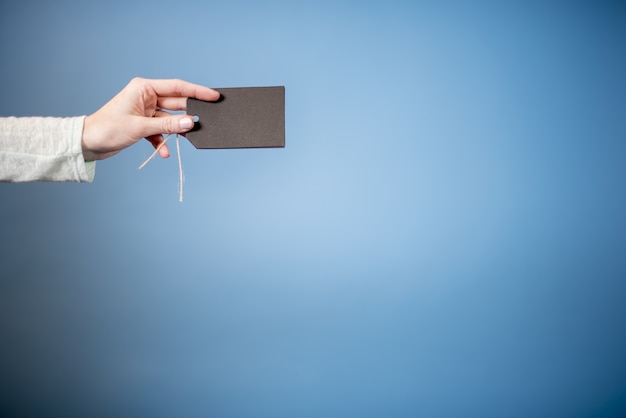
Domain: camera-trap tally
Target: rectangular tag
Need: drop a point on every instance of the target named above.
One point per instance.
(245, 117)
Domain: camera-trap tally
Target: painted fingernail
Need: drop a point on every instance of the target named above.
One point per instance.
(186, 123)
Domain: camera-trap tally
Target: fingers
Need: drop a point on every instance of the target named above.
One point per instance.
(181, 89)
(175, 103)
(172, 103)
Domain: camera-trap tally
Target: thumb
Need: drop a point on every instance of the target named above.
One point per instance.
(173, 124)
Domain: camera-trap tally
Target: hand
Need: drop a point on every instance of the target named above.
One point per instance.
(135, 113)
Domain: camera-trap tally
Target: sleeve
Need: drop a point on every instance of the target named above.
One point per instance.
(43, 149)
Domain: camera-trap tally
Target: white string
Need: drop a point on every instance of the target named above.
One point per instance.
(181, 177)
(155, 152)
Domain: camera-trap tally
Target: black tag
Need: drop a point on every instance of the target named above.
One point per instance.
(250, 117)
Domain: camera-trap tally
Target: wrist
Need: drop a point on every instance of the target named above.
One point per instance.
(88, 154)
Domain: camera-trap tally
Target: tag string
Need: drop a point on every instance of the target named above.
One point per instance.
(181, 176)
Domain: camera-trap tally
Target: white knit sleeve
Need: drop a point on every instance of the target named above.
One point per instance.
(43, 149)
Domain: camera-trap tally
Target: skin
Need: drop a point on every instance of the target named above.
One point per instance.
(135, 113)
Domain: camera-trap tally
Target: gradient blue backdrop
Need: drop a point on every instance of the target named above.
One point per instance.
(443, 236)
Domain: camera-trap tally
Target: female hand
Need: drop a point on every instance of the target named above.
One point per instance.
(135, 113)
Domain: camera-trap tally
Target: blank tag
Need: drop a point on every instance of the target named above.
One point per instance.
(248, 117)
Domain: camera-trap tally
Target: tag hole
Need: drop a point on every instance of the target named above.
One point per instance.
(196, 118)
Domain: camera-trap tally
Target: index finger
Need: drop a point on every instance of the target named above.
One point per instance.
(181, 88)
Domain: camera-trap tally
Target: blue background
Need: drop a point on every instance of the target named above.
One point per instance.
(444, 234)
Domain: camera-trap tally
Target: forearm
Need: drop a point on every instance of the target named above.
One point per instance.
(43, 149)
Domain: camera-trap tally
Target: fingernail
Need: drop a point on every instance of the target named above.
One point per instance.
(186, 123)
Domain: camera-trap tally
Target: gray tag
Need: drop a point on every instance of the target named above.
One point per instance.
(249, 117)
